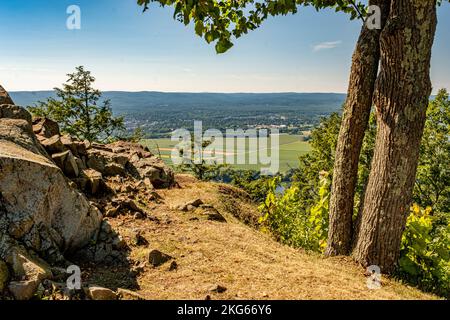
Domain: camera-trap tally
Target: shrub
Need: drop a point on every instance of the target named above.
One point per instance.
(291, 225)
(425, 252)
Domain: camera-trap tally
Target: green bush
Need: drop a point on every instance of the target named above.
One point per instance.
(425, 252)
(283, 217)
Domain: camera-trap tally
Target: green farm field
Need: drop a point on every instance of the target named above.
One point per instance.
(291, 147)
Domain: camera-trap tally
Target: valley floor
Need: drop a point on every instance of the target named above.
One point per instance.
(248, 263)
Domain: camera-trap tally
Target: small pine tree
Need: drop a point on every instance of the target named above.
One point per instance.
(79, 111)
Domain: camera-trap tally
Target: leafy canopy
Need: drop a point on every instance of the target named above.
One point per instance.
(79, 111)
(221, 21)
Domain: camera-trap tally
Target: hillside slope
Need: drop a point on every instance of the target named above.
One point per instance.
(207, 254)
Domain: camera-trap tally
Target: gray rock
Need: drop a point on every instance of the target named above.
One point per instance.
(218, 289)
(4, 97)
(94, 179)
(67, 163)
(33, 188)
(10, 111)
(157, 258)
(45, 127)
(114, 169)
(53, 145)
(100, 293)
(195, 203)
(125, 294)
(25, 266)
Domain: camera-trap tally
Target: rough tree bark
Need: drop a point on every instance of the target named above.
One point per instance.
(354, 124)
(401, 98)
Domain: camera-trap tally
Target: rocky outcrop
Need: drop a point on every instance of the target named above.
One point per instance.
(54, 190)
(41, 214)
(81, 160)
(4, 97)
(40, 208)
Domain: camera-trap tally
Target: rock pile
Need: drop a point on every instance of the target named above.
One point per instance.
(89, 164)
(42, 217)
(54, 192)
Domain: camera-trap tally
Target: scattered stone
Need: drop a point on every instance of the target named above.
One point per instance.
(99, 293)
(214, 215)
(218, 289)
(173, 266)
(138, 216)
(157, 258)
(139, 240)
(125, 294)
(195, 203)
(99, 158)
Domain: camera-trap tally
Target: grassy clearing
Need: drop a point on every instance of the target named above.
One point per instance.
(291, 147)
(250, 264)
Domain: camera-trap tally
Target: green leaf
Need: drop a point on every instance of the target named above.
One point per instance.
(199, 28)
(223, 45)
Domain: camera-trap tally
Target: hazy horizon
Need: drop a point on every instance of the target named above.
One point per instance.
(126, 50)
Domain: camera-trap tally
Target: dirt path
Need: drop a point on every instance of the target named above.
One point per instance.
(250, 264)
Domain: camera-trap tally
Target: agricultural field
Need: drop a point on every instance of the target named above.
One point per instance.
(291, 147)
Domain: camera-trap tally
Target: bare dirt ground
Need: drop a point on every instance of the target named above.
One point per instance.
(248, 263)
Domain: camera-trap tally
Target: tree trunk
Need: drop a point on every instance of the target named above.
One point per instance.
(401, 100)
(354, 124)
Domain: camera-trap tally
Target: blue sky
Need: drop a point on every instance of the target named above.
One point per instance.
(129, 50)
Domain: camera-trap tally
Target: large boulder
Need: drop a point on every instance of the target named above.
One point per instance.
(38, 207)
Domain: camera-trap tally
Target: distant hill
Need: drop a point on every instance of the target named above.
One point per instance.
(159, 113)
(132, 102)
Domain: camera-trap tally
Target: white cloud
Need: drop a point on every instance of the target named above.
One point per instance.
(326, 45)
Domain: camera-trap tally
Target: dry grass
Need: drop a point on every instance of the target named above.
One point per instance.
(248, 263)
